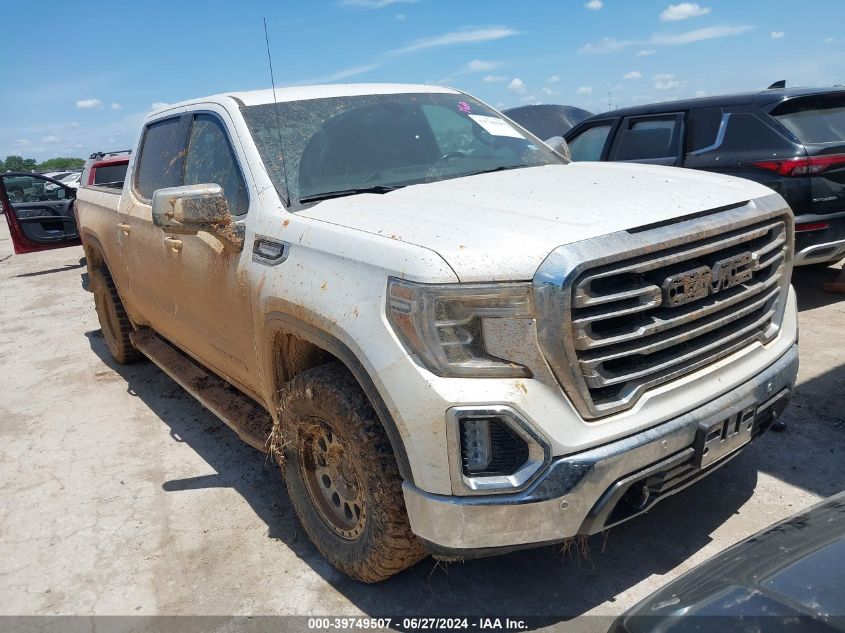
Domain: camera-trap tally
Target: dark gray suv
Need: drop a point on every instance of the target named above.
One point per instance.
(792, 140)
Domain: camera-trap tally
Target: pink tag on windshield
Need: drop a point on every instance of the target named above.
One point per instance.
(463, 106)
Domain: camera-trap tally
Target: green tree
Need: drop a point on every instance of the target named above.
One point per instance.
(53, 164)
(19, 163)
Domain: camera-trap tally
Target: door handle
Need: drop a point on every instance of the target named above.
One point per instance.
(124, 227)
(173, 243)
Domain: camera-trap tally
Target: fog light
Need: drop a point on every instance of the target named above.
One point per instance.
(492, 450)
(475, 434)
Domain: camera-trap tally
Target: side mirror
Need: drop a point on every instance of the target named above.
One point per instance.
(559, 145)
(194, 208)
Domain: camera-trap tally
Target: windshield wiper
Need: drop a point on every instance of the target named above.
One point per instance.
(490, 171)
(350, 192)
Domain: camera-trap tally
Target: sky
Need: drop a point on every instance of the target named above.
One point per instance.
(96, 68)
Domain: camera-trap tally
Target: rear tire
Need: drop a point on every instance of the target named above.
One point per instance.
(342, 476)
(114, 322)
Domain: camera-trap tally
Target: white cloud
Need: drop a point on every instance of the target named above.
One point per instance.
(51, 138)
(529, 99)
(516, 85)
(829, 40)
(489, 79)
(634, 74)
(553, 79)
(372, 4)
(400, 16)
(480, 66)
(158, 105)
(594, 5)
(665, 81)
(776, 35)
(604, 45)
(667, 85)
(350, 72)
(584, 90)
(116, 106)
(646, 52)
(700, 93)
(464, 36)
(548, 91)
(89, 104)
(22, 142)
(700, 35)
(611, 45)
(683, 11)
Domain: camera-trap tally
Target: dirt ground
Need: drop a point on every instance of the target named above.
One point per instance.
(122, 495)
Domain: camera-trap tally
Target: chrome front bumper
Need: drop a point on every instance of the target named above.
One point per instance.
(589, 491)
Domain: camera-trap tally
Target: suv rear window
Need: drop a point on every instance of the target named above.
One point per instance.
(814, 120)
(110, 175)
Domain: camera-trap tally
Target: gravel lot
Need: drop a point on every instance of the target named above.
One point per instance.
(122, 495)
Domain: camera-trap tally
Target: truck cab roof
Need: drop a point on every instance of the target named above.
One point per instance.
(302, 93)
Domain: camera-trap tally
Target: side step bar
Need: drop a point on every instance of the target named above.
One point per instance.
(241, 413)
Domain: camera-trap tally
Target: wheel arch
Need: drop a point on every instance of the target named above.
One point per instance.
(92, 248)
(319, 347)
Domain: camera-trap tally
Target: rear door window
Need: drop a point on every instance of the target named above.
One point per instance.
(211, 159)
(703, 129)
(652, 139)
(818, 119)
(589, 144)
(161, 158)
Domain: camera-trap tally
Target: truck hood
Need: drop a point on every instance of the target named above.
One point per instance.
(501, 226)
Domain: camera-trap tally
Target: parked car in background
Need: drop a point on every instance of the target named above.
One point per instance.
(72, 180)
(39, 211)
(788, 577)
(57, 175)
(44, 211)
(106, 169)
(547, 121)
(789, 139)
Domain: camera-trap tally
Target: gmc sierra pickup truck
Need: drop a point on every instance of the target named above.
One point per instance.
(452, 340)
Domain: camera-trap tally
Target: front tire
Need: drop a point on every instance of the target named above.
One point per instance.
(342, 476)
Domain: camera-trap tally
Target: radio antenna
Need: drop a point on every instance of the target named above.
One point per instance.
(276, 113)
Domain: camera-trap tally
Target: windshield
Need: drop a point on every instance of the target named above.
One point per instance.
(345, 145)
(814, 120)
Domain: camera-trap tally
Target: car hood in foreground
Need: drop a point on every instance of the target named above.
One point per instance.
(789, 577)
(502, 225)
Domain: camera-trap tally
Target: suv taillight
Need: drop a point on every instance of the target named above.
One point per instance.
(802, 166)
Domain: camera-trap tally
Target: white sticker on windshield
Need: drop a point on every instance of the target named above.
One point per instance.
(495, 126)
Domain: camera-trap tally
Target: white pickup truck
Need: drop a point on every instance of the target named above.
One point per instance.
(452, 340)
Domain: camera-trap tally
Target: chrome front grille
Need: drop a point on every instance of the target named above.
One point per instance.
(633, 310)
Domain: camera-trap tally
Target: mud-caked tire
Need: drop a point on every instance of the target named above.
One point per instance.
(342, 476)
(114, 322)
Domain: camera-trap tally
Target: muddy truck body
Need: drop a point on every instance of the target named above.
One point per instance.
(452, 340)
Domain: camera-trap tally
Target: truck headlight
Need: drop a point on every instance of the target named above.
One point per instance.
(443, 324)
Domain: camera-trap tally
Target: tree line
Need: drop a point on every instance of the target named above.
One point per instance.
(19, 163)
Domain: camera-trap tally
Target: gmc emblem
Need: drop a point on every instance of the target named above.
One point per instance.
(701, 282)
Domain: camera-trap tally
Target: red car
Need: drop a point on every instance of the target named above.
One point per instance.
(40, 210)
